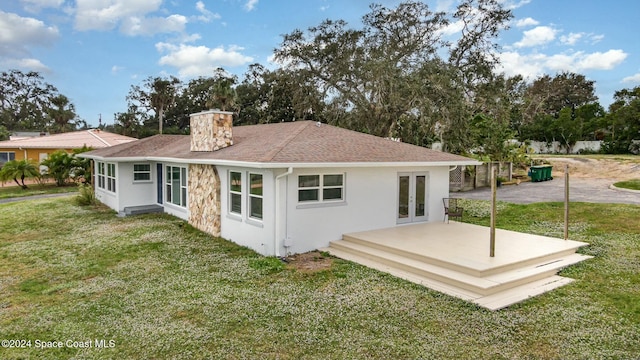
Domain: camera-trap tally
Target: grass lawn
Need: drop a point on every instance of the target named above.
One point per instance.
(160, 289)
(35, 189)
(630, 184)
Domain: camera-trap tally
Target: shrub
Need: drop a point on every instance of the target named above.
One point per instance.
(86, 195)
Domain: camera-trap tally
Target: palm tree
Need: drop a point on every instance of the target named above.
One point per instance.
(22, 169)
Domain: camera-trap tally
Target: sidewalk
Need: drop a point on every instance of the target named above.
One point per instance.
(35, 197)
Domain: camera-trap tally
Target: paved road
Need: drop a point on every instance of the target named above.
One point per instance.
(581, 190)
(43, 196)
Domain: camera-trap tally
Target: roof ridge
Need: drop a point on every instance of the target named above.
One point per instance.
(269, 156)
(90, 131)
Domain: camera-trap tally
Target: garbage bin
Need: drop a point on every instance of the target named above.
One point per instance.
(537, 173)
(547, 172)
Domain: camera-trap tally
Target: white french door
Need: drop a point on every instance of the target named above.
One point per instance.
(412, 197)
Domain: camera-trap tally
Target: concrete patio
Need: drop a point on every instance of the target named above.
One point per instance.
(454, 259)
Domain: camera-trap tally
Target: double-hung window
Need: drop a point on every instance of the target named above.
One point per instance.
(235, 192)
(6, 156)
(111, 177)
(246, 191)
(101, 175)
(141, 172)
(320, 188)
(176, 185)
(106, 176)
(255, 196)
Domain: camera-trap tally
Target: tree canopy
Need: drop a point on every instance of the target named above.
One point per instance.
(27, 102)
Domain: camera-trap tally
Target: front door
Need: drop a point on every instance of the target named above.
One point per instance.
(412, 197)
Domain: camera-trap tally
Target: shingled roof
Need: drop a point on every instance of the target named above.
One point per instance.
(301, 142)
(93, 138)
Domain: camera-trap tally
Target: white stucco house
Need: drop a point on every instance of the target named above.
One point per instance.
(280, 188)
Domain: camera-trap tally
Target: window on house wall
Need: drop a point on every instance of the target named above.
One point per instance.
(320, 188)
(255, 196)
(111, 177)
(101, 175)
(141, 172)
(7, 156)
(235, 192)
(176, 185)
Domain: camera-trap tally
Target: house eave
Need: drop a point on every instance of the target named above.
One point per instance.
(272, 165)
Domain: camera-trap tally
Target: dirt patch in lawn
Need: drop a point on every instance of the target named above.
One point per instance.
(310, 262)
(587, 168)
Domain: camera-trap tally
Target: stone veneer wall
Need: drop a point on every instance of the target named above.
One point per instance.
(204, 198)
(211, 130)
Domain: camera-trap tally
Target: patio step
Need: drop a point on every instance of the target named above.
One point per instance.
(493, 291)
(406, 275)
(549, 257)
(141, 209)
(492, 302)
(483, 286)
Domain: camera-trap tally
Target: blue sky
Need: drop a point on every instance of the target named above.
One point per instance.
(94, 50)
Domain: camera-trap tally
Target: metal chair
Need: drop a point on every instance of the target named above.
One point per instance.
(451, 209)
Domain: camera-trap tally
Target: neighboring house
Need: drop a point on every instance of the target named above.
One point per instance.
(39, 147)
(276, 188)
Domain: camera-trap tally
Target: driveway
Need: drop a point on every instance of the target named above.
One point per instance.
(580, 190)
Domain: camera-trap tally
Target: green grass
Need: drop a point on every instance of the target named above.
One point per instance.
(630, 184)
(160, 289)
(35, 189)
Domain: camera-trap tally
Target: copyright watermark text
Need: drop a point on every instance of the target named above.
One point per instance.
(53, 344)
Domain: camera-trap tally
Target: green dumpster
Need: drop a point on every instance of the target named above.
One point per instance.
(547, 172)
(537, 173)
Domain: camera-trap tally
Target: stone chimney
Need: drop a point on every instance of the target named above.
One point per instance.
(211, 130)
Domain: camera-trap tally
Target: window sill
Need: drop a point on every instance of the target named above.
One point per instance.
(255, 222)
(235, 217)
(174, 206)
(321, 204)
(142, 182)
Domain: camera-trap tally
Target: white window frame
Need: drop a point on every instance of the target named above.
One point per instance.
(111, 177)
(321, 187)
(11, 155)
(142, 172)
(251, 196)
(233, 193)
(182, 183)
(100, 175)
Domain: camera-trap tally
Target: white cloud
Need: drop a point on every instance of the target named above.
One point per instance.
(207, 15)
(133, 26)
(533, 65)
(539, 35)
(596, 38)
(526, 22)
(571, 39)
(513, 4)
(452, 29)
(107, 14)
(632, 79)
(602, 61)
(200, 60)
(250, 5)
(37, 5)
(18, 34)
(116, 69)
(26, 64)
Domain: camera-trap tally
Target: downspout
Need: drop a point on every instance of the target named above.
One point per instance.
(455, 167)
(25, 152)
(276, 243)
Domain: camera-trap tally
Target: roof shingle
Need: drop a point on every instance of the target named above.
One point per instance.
(284, 143)
(93, 138)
